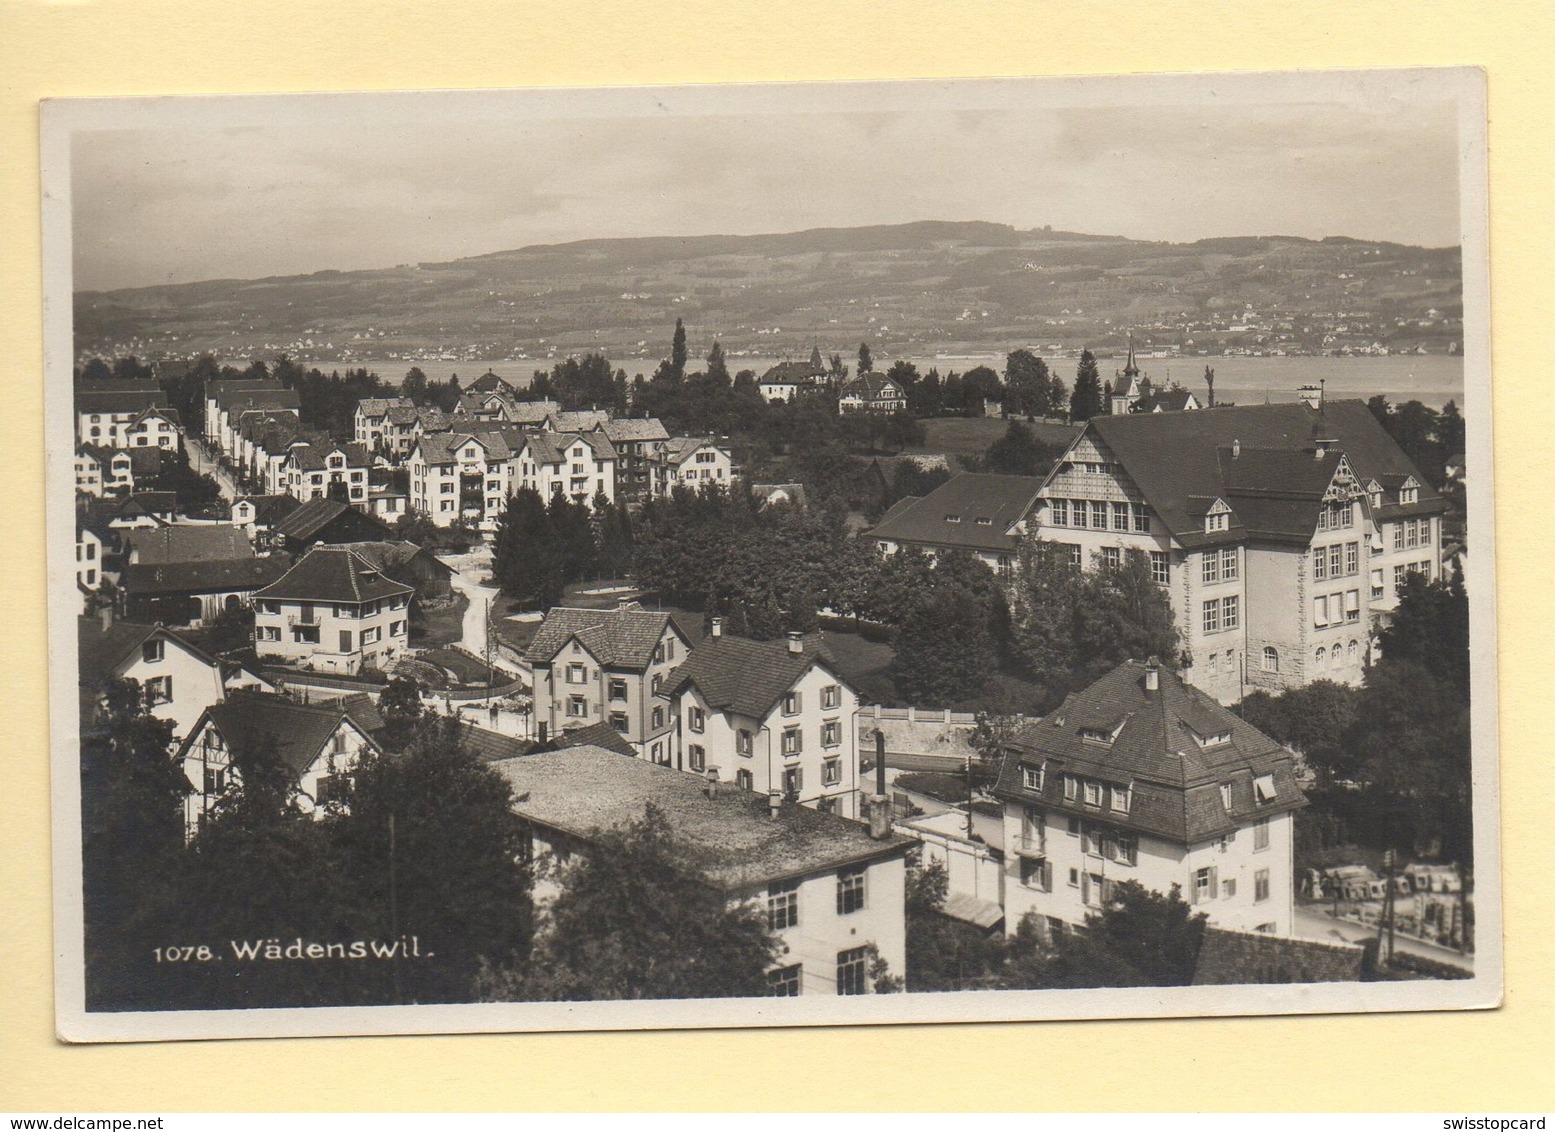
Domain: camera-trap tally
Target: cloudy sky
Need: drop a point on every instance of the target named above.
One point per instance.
(183, 189)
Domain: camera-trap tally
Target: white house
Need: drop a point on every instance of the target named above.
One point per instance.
(770, 716)
(105, 409)
(1142, 777)
(315, 471)
(609, 666)
(333, 611)
(691, 462)
(872, 393)
(833, 890)
(320, 743)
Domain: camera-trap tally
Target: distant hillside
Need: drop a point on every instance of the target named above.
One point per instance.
(909, 289)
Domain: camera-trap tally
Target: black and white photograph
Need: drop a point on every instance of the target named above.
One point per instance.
(629, 558)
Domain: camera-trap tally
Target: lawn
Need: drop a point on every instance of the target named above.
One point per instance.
(971, 436)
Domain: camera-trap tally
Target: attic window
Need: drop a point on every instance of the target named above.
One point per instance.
(1214, 740)
(1225, 796)
(1263, 789)
(984, 521)
(1409, 495)
(952, 518)
(1220, 521)
(1095, 735)
(1031, 777)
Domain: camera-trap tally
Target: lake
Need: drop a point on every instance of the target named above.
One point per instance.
(1431, 378)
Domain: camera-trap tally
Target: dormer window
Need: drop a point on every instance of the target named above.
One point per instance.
(1093, 794)
(1225, 796)
(1031, 777)
(1120, 799)
(1095, 735)
(1263, 789)
(952, 518)
(984, 521)
(1409, 495)
(1214, 740)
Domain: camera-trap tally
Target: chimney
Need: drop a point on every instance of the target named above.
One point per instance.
(774, 803)
(1236, 449)
(718, 627)
(1311, 396)
(1152, 676)
(795, 641)
(622, 604)
(879, 806)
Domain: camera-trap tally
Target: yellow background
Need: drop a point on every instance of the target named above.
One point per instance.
(1498, 1060)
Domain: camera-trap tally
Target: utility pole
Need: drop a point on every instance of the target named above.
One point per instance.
(1385, 924)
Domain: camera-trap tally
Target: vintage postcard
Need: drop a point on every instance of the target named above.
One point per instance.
(771, 555)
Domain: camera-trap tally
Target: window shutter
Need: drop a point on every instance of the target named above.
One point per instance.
(1193, 889)
(1214, 881)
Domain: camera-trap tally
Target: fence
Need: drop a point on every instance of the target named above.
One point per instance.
(875, 713)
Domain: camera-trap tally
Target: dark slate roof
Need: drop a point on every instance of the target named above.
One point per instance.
(332, 574)
(489, 382)
(102, 649)
(745, 676)
(1155, 749)
(235, 401)
(187, 542)
(147, 503)
(123, 400)
(392, 556)
(595, 735)
(271, 509)
(1003, 500)
(617, 638)
(871, 386)
(728, 840)
(146, 462)
(1174, 457)
(313, 457)
(300, 731)
(792, 373)
(491, 746)
(309, 518)
(235, 575)
(380, 406)
(1165, 400)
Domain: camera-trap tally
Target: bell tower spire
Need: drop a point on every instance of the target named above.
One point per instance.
(1132, 368)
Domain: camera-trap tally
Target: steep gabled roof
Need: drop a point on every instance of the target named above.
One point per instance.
(270, 509)
(101, 649)
(954, 514)
(1156, 748)
(617, 638)
(127, 399)
(300, 731)
(792, 373)
(745, 676)
(335, 574)
(392, 556)
(185, 542)
(594, 735)
(579, 420)
(311, 517)
(1173, 457)
(871, 386)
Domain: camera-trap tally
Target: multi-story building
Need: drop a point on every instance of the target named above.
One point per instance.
(334, 612)
(579, 465)
(321, 744)
(90, 548)
(106, 409)
(833, 890)
(1281, 532)
(103, 471)
(872, 393)
(463, 477)
(985, 515)
(770, 716)
(609, 666)
(1142, 777)
(370, 424)
(155, 427)
(788, 379)
(691, 462)
(178, 680)
(226, 402)
(636, 440)
(327, 470)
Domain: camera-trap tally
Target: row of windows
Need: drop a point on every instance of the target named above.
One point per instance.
(1336, 516)
(1336, 655)
(1207, 885)
(1342, 560)
(1336, 609)
(1412, 533)
(1100, 516)
(852, 975)
(1096, 792)
(1221, 566)
(1222, 613)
